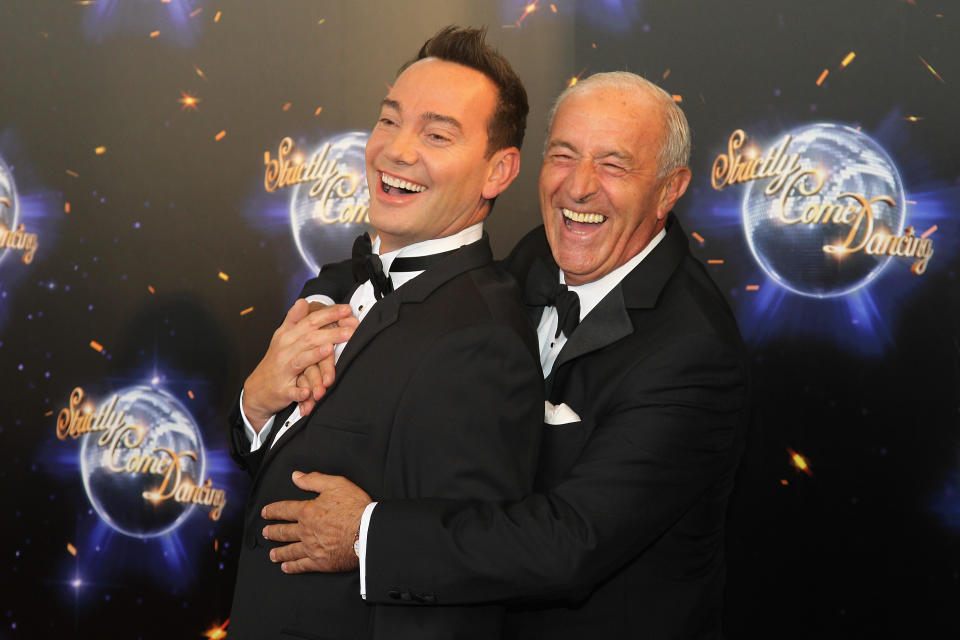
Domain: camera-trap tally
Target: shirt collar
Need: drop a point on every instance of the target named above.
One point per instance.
(426, 248)
(592, 293)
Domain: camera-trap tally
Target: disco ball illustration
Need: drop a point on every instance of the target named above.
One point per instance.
(792, 254)
(9, 207)
(127, 500)
(324, 228)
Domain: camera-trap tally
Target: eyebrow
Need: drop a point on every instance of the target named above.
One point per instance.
(429, 116)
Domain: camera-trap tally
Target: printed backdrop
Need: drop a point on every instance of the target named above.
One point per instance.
(172, 170)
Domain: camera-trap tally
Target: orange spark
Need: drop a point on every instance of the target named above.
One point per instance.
(714, 261)
(752, 287)
(593, 45)
(190, 393)
(195, 13)
(200, 73)
(575, 79)
(932, 70)
(321, 20)
(913, 118)
(677, 98)
(216, 544)
(154, 34)
(286, 106)
(224, 276)
(96, 346)
(48, 414)
(85, 3)
(73, 174)
(929, 231)
(666, 74)
(246, 311)
(799, 461)
(317, 112)
(72, 550)
(151, 289)
(530, 8)
(784, 482)
(189, 101)
(553, 8)
(848, 59)
(100, 151)
(216, 18)
(698, 237)
(66, 207)
(220, 135)
(216, 632)
(823, 76)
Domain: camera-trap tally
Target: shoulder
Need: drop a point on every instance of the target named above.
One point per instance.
(531, 247)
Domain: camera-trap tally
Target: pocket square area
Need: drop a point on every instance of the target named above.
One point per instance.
(558, 414)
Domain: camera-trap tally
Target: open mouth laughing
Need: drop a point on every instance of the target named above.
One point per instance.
(395, 186)
(581, 222)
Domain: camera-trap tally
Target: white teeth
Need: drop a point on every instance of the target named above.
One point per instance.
(576, 216)
(401, 184)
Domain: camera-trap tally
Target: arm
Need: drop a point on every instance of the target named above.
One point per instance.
(303, 338)
(669, 437)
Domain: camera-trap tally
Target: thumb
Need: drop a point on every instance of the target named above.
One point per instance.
(315, 481)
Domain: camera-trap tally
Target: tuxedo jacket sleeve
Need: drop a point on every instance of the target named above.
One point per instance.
(662, 410)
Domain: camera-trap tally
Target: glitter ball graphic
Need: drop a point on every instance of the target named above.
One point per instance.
(792, 254)
(9, 207)
(131, 471)
(326, 216)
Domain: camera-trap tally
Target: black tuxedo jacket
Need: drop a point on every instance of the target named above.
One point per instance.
(623, 538)
(438, 394)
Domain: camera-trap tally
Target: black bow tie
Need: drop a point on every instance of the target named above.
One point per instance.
(367, 265)
(543, 289)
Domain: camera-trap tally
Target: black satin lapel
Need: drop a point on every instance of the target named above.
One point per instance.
(604, 325)
(382, 315)
(274, 447)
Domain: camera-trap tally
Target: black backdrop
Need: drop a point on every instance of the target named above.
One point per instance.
(156, 237)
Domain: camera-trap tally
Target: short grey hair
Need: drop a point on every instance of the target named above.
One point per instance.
(675, 151)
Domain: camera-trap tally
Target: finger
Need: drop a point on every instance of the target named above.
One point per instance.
(328, 315)
(327, 372)
(289, 510)
(303, 565)
(296, 313)
(289, 553)
(286, 532)
(310, 356)
(306, 407)
(313, 379)
(316, 481)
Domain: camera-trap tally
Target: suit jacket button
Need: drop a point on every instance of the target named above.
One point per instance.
(393, 594)
(405, 596)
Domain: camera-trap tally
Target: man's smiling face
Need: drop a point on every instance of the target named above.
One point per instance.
(427, 164)
(600, 195)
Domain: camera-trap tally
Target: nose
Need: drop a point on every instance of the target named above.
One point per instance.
(401, 148)
(582, 181)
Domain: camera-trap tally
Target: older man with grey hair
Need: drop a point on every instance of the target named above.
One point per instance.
(648, 406)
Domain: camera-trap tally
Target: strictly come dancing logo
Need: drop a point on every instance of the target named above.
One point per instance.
(824, 208)
(329, 198)
(13, 236)
(141, 459)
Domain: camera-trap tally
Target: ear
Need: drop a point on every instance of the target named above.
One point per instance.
(503, 167)
(674, 186)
